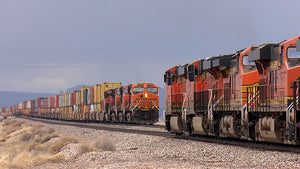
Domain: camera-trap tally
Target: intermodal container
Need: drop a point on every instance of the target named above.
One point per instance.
(52, 101)
(92, 95)
(57, 101)
(61, 101)
(46, 102)
(77, 97)
(67, 99)
(20, 106)
(85, 95)
(72, 99)
(28, 105)
(99, 90)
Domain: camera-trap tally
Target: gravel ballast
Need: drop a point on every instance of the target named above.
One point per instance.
(129, 150)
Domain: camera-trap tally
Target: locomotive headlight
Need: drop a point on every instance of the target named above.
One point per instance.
(146, 95)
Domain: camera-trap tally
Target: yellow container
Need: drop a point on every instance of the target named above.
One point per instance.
(99, 90)
(67, 99)
(77, 97)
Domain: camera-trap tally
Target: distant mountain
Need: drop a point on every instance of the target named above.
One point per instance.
(12, 98)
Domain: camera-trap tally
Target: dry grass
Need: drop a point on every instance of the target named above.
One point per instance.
(24, 146)
(27, 145)
(102, 143)
(59, 144)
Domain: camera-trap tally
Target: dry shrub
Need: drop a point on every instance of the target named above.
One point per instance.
(84, 148)
(26, 146)
(104, 143)
(10, 126)
(59, 144)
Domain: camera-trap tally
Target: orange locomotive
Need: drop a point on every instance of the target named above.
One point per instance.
(253, 94)
(138, 103)
(175, 98)
(275, 107)
(215, 98)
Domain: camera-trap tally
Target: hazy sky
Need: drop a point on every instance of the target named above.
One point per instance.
(49, 45)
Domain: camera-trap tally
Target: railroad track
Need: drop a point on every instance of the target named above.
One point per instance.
(115, 127)
(261, 146)
(157, 130)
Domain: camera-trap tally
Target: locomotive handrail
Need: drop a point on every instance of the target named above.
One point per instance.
(296, 93)
(263, 97)
(182, 109)
(217, 102)
(136, 106)
(154, 105)
(183, 101)
(210, 99)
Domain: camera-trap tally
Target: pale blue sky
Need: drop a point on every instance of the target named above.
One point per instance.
(48, 45)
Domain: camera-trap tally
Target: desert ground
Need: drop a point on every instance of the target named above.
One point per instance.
(32, 144)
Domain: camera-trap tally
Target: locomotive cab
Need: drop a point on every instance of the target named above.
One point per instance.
(175, 97)
(219, 91)
(145, 103)
(198, 97)
(272, 107)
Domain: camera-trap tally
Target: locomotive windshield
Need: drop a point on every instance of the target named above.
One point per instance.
(293, 57)
(137, 90)
(248, 66)
(152, 90)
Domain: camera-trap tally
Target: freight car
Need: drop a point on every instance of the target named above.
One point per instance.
(252, 94)
(136, 103)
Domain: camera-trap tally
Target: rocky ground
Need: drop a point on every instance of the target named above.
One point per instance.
(127, 150)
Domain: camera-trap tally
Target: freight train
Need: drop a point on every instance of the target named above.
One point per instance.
(106, 102)
(252, 94)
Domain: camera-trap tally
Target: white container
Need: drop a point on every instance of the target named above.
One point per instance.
(28, 105)
(20, 106)
(61, 101)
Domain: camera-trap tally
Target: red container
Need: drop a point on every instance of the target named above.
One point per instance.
(73, 98)
(41, 102)
(46, 102)
(57, 100)
(92, 96)
(51, 102)
(37, 102)
(24, 105)
(32, 105)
